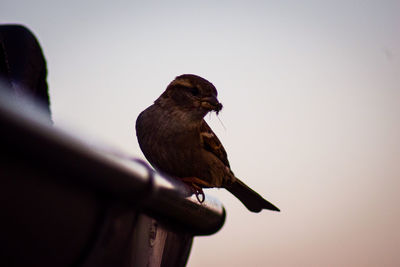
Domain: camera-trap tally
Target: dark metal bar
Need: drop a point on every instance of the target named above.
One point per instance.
(28, 134)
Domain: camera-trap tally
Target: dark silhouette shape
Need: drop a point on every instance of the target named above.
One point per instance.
(23, 66)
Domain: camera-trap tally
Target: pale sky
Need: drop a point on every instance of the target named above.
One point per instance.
(311, 93)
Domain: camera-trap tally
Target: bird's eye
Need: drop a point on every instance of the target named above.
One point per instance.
(194, 91)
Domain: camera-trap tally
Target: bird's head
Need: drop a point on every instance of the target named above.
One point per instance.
(191, 94)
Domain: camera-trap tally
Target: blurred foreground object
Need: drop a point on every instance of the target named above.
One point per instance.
(67, 203)
(23, 66)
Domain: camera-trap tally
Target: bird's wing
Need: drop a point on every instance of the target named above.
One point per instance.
(212, 144)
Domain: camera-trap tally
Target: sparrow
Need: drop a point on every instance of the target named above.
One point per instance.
(177, 141)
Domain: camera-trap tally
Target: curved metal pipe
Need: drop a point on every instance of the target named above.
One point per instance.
(28, 134)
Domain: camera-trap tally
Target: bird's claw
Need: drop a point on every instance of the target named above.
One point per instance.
(199, 193)
(195, 185)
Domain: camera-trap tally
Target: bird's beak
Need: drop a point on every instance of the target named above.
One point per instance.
(211, 103)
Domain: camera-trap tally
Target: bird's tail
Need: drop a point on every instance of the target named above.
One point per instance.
(251, 199)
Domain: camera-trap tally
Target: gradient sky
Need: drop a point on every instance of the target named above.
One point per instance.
(311, 94)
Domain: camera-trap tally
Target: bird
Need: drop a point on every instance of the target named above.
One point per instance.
(177, 141)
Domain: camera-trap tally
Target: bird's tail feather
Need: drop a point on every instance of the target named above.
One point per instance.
(251, 199)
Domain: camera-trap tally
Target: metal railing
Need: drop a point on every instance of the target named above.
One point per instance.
(116, 174)
(67, 202)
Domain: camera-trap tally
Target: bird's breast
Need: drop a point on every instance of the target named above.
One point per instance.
(170, 145)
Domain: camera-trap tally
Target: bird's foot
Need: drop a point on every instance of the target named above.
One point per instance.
(198, 191)
(195, 185)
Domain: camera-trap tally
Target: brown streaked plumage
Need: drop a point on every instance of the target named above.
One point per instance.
(177, 141)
